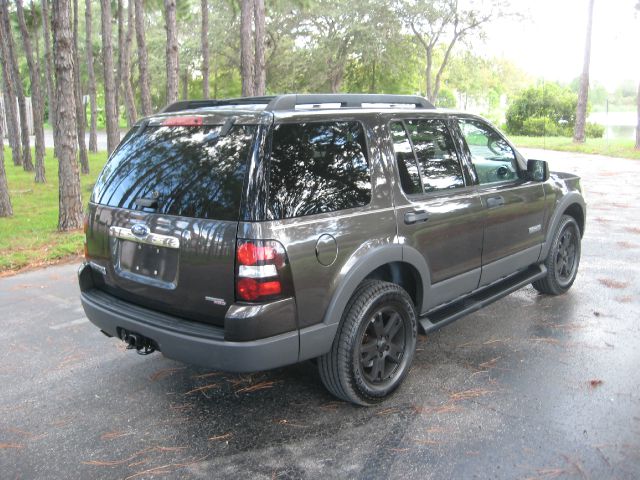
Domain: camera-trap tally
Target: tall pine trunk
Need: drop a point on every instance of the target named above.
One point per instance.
(247, 58)
(27, 163)
(204, 40)
(129, 100)
(583, 94)
(143, 60)
(172, 50)
(36, 96)
(70, 202)
(113, 135)
(5, 200)
(260, 76)
(10, 108)
(120, 48)
(93, 128)
(48, 63)
(80, 110)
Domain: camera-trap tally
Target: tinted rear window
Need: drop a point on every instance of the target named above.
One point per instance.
(317, 168)
(189, 171)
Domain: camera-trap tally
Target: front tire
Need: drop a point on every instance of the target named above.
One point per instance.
(563, 259)
(374, 346)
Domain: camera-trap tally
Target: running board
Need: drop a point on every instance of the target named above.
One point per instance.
(436, 319)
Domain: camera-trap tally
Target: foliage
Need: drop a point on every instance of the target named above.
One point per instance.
(621, 148)
(446, 98)
(549, 101)
(30, 236)
(593, 130)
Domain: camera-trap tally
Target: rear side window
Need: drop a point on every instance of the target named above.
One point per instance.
(186, 171)
(436, 154)
(317, 168)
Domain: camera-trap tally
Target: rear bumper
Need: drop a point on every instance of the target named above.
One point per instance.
(189, 342)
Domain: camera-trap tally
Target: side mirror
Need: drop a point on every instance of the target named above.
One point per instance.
(538, 170)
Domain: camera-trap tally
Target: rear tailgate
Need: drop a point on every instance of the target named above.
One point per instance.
(163, 218)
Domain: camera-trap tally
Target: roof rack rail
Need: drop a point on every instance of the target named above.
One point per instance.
(346, 100)
(289, 101)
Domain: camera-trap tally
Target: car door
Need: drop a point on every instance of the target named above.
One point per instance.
(438, 212)
(514, 205)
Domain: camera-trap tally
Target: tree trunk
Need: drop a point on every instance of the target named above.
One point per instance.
(638, 124)
(247, 60)
(10, 109)
(143, 60)
(51, 92)
(36, 96)
(204, 39)
(27, 163)
(583, 94)
(129, 100)
(36, 37)
(80, 110)
(172, 51)
(70, 202)
(260, 77)
(185, 84)
(93, 128)
(120, 49)
(113, 135)
(5, 201)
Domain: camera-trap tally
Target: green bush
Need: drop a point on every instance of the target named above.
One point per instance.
(550, 109)
(446, 98)
(593, 130)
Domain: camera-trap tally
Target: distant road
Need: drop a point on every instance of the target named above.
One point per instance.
(48, 139)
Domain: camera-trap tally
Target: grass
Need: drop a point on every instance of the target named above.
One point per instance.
(601, 146)
(30, 237)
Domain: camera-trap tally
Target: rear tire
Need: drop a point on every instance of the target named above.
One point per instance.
(563, 259)
(374, 346)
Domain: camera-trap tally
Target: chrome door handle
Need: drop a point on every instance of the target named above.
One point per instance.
(416, 216)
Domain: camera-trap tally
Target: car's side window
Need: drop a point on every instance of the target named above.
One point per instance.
(406, 160)
(436, 154)
(492, 157)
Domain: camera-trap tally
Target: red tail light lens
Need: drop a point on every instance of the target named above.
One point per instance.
(262, 270)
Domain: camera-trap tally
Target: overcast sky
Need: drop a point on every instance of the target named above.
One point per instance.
(549, 43)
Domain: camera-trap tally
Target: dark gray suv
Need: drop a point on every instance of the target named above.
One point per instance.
(253, 233)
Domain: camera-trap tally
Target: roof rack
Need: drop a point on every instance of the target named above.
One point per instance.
(290, 101)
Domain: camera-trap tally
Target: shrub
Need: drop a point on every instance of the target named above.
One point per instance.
(551, 108)
(446, 98)
(593, 130)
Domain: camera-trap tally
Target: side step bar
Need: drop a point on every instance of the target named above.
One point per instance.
(436, 319)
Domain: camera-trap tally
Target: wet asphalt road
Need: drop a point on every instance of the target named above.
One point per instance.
(530, 387)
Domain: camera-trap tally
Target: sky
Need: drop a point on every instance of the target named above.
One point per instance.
(549, 42)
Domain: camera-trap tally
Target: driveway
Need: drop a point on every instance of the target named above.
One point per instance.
(530, 387)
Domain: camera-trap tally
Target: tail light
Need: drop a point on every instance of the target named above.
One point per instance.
(262, 271)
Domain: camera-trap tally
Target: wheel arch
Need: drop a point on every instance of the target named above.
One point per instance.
(571, 204)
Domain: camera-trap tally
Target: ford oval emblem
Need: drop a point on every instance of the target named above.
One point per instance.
(140, 230)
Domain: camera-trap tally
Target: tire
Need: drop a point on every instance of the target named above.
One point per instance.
(374, 346)
(563, 259)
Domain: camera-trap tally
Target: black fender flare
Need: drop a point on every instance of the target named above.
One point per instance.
(571, 198)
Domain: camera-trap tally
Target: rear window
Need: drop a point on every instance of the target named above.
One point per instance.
(318, 168)
(185, 171)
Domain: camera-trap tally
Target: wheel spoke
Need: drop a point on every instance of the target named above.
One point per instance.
(395, 353)
(368, 351)
(393, 326)
(376, 371)
(378, 327)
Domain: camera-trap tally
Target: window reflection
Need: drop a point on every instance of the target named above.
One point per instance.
(441, 169)
(316, 168)
(190, 171)
(406, 161)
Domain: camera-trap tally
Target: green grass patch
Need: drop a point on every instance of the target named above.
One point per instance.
(601, 146)
(31, 237)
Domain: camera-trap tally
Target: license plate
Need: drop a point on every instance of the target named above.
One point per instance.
(156, 263)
